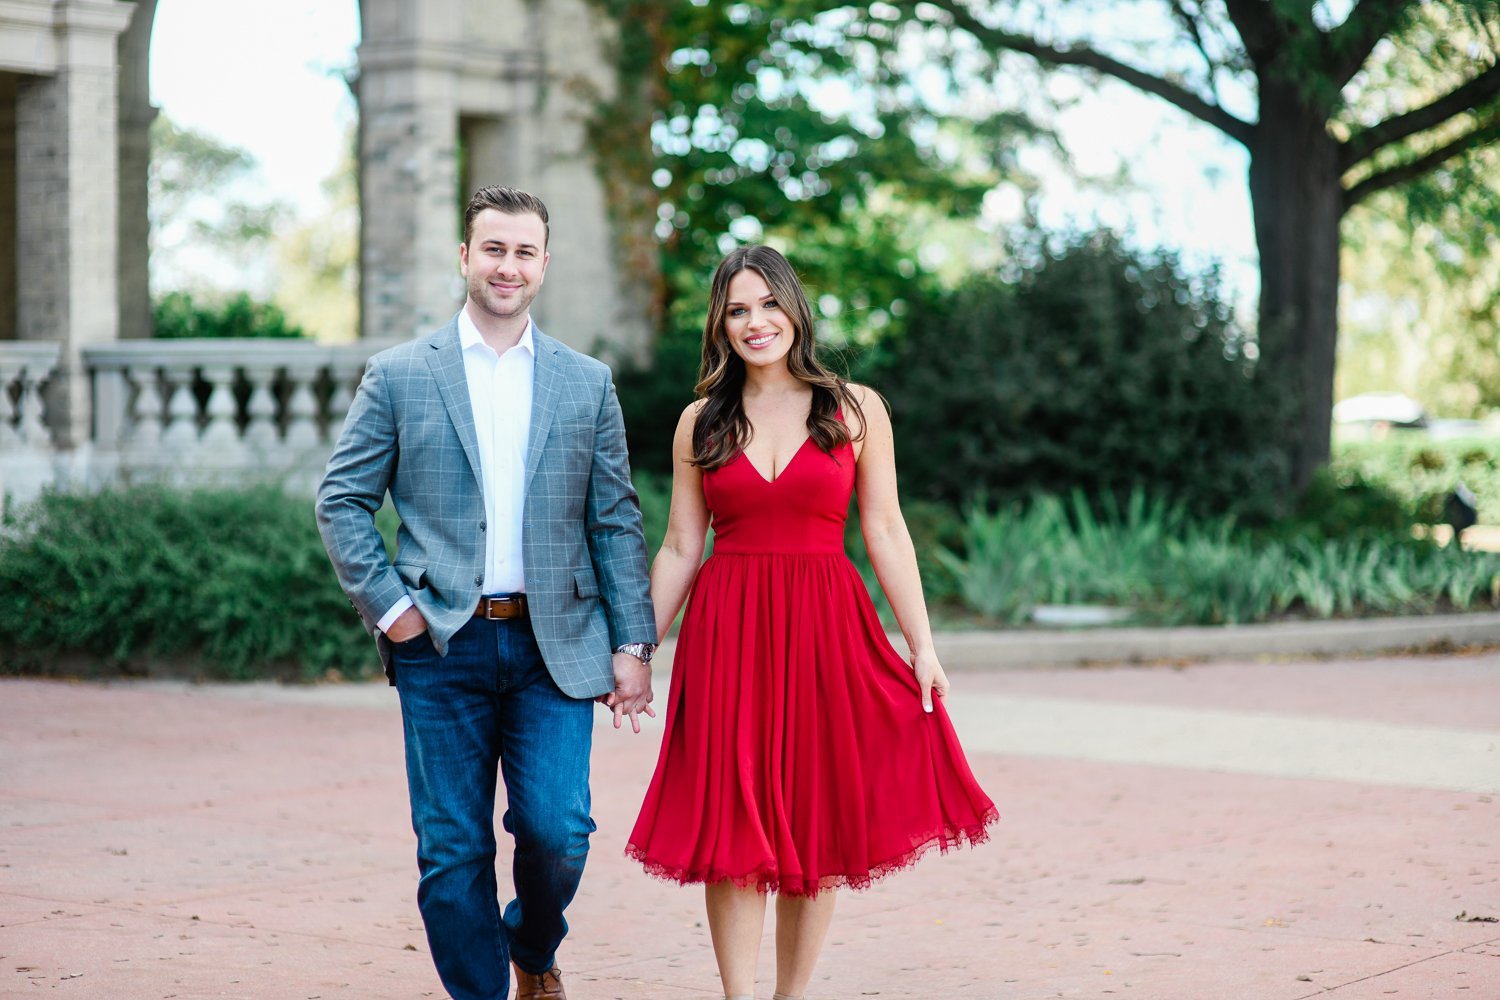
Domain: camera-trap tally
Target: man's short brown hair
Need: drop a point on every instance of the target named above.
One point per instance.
(508, 200)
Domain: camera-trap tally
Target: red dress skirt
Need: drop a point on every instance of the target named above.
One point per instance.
(796, 755)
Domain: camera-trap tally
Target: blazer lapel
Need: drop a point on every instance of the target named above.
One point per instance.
(447, 363)
(545, 389)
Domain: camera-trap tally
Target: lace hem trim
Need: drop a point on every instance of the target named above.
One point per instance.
(769, 880)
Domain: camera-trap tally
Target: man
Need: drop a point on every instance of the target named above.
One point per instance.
(520, 565)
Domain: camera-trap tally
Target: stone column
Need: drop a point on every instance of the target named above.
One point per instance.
(600, 309)
(136, 116)
(66, 203)
(7, 206)
(409, 200)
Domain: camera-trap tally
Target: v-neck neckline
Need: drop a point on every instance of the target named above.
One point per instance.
(772, 482)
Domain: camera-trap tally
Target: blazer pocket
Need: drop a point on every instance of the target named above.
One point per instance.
(585, 583)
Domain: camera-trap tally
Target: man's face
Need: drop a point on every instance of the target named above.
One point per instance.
(504, 262)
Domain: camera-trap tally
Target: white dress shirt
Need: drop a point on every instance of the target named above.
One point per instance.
(500, 388)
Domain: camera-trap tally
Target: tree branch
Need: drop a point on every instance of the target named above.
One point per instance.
(1475, 93)
(1484, 134)
(999, 38)
(1256, 22)
(1346, 47)
(1189, 21)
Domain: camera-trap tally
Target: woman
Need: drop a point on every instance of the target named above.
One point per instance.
(801, 752)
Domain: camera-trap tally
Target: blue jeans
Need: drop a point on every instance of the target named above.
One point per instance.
(489, 706)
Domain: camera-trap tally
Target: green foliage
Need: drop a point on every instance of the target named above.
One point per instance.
(236, 580)
(652, 398)
(318, 258)
(1096, 367)
(201, 211)
(1342, 502)
(749, 143)
(1421, 472)
(1398, 96)
(655, 492)
(176, 315)
(751, 140)
(1148, 555)
(1420, 304)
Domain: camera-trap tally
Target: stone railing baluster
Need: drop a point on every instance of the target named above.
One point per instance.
(28, 458)
(32, 428)
(181, 431)
(143, 417)
(261, 433)
(10, 373)
(221, 430)
(302, 411)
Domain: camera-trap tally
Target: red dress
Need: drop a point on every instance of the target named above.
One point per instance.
(796, 755)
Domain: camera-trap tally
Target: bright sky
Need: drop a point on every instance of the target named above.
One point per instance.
(274, 88)
(269, 82)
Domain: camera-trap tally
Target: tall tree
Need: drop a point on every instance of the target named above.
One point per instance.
(1297, 83)
(209, 230)
(794, 124)
(789, 121)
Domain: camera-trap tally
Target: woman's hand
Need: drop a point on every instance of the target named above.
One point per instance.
(930, 677)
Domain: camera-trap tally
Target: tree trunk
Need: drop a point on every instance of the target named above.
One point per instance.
(1297, 197)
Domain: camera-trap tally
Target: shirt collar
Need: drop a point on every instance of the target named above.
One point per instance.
(470, 337)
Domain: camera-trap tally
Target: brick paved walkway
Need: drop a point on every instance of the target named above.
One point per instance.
(1235, 831)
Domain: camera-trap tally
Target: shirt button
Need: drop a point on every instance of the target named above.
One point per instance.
(478, 580)
(481, 525)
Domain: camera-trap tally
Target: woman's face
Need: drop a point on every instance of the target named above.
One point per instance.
(759, 330)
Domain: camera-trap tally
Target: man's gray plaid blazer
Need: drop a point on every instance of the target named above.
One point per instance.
(410, 430)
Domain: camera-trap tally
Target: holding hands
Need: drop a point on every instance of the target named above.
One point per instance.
(632, 695)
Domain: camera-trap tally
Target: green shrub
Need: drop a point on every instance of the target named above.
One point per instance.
(1344, 502)
(652, 397)
(176, 316)
(1421, 472)
(235, 580)
(1094, 367)
(655, 491)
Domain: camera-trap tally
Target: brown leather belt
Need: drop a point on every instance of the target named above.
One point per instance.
(502, 609)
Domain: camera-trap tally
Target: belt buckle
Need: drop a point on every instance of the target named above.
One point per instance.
(500, 608)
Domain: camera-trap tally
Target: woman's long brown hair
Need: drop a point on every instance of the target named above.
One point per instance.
(722, 430)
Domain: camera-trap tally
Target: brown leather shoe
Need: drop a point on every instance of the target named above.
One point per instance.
(539, 986)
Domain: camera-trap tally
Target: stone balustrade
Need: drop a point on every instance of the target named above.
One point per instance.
(24, 368)
(183, 411)
(26, 452)
(220, 410)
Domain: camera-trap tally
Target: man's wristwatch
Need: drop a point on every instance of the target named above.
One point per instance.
(640, 650)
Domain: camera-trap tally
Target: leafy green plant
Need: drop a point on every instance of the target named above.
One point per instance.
(1421, 472)
(1089, 365)
(177, 316)
(1151, 556)
(1341, 502)
(234, 581)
